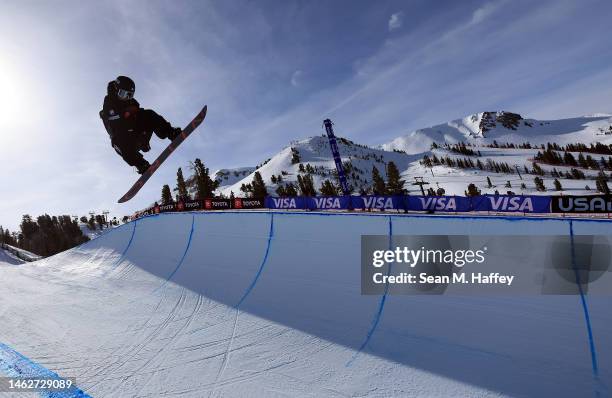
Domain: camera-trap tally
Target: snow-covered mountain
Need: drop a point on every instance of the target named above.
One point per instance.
(231, 176)
(493, 137)
(314, 155)
(486, 127)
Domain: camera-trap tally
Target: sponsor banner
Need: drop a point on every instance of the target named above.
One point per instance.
(164, 208)
(492, 203)
(297, 202)
(168, 207)
(188, 205)
(217, 204)
(142, 213)
(379, 202)
(581, 204)
(438, 203)
(328, 202)
(518, 203)
(248, 203)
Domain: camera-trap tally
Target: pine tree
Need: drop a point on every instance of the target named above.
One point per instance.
(91, 223)
(205, 186)
(166, 195)
(290, 190)
(472, 190)
(489, 184)
(259, 186)
(582, 161)
(558, 186)
(537, 169)
(306, 186)
(395, 185)
(181, 187)
(378, 184)
(601, 182)
(295, 156)
(539, 184)
(328, 189)
(100, 221)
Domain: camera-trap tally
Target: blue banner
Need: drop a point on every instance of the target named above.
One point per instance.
(328, 202)
(449, 204)
(378, 202)
(438, 203)
(297, 202)
(505, 203)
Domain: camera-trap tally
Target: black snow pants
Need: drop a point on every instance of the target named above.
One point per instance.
(139, 129)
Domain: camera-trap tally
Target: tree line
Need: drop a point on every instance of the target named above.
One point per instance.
(45, 236)
(198, 186)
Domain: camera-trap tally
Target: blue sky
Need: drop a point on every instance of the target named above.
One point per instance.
(270, 72)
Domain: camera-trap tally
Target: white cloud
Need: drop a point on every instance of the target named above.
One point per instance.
(396, 20)
(296, 78)
(483, 12)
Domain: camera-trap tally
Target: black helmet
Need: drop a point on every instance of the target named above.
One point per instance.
(124, 88)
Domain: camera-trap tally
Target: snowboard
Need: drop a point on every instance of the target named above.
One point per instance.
(164, 155)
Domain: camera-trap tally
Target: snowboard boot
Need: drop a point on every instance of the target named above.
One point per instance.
(143, 166)
(145, 146)
(174, 132)
(143, 142)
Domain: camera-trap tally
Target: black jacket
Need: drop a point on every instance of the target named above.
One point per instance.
(118, 115)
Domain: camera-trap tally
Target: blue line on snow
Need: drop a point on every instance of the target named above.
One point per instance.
(129, 242)
(14, 364)
(186, 250)
(182, 258)
(381, 305)
(263, 263)
(585, 307)
(124, 250)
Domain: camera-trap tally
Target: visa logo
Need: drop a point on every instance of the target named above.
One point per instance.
(378, 203)
(514, 203)
(434, 203)
(284, 203)
(327, 203)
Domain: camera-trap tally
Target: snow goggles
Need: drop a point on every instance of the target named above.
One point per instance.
(125, 95)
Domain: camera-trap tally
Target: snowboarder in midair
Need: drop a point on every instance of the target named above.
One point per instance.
(129, 126)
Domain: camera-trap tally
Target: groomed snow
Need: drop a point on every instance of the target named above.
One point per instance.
(269, 304)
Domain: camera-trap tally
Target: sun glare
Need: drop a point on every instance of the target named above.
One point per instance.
(13, 94)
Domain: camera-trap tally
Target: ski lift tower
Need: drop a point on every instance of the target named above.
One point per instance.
(334, 148)
(419, 181)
